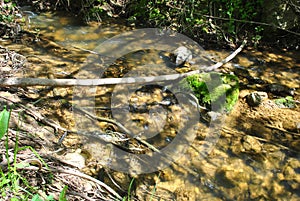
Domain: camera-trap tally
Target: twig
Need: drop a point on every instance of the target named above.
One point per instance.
(82, 196)
(78, 174)
(224, 61)
(232, 132)
(56, 126)
(85, 50)
(252, 22)
(24, 82)
(82, 175)
(37, 116)
(103, 119)
(120, 126)
(282, 130)
(140, 140)
(113, 181)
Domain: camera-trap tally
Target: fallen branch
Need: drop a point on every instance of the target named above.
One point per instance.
(24, 82)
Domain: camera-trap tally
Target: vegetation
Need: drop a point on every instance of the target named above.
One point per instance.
(4, 120)
(13, 185)
(286, 102)
(7, 12)
(127, 198)
(9, 19)
(227, 87)
(218, 21)
(199, 18)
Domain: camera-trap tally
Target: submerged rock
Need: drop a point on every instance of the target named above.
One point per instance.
(250, 144)
(280, 90)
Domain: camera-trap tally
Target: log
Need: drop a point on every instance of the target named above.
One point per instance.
(24, 82)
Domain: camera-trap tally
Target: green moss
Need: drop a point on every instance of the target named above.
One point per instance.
(222, 90)
(287, 102)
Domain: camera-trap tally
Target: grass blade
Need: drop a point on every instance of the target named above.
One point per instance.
(4, 121)
(62, 195)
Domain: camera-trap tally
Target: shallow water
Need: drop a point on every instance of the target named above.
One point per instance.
(248, 154)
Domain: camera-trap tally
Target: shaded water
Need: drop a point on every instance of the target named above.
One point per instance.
(256, 156)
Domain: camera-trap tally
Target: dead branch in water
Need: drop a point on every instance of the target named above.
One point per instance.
(24, 82)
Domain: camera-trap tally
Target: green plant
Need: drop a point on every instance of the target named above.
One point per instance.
(7, 12)
(258, 35)
(4, 121)
(96, 9)
(154, 189)
(237, 12)
(127, 198)
(228, 87)
(11, 181)
(62, 196)
(287, 102)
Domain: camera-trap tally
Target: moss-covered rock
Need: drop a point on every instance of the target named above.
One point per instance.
(222, 90)
(287, 102)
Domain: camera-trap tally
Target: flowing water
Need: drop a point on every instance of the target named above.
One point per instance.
(251, 153)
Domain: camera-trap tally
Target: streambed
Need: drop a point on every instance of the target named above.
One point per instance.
(256, 155)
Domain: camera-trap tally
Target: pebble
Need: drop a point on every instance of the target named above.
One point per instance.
(254, 99)
(183, 55)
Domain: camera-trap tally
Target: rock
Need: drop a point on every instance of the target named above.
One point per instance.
(76, 159)
(255, 98)
(250, 144)
(5, 69)
(182, 55)
(214, 115)
(280, 90)
(232, 175)
(289, 173)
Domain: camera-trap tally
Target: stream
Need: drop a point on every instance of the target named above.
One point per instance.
(251, 153)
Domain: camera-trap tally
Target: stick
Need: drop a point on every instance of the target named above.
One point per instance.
(232, 132)
(120, 126)
(77, 174)
(37, 116)
(24, 82)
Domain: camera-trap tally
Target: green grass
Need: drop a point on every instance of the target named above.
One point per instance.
(129, 190)
(12, 183)
(128, 197)
(154, 189)
(4, 121)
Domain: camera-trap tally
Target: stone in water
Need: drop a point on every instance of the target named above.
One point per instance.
(183, 55)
